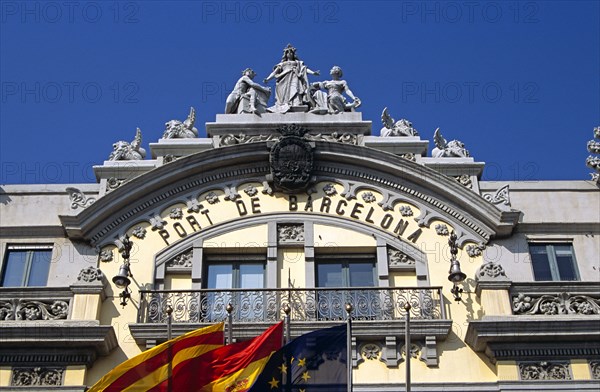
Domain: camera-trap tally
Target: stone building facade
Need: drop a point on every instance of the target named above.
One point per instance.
(305, 209)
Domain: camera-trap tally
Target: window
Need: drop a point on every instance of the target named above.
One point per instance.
(553, 262)
(334, 271)
(348, 271)
(224, 274)
(26, 265)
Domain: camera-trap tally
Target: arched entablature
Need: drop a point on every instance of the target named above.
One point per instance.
(236, 177)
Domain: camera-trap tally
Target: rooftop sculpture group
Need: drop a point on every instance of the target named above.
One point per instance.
(293, 92)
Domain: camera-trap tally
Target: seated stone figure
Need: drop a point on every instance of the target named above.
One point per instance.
(176, 129)
(333, 101)
(124, 151)
(247, 96)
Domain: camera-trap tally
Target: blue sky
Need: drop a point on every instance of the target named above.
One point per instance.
(517, 81)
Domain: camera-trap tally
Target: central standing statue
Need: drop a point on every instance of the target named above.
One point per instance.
(291, 77)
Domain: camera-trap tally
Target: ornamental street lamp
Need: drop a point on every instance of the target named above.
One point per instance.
(121, 279)
(455, 275)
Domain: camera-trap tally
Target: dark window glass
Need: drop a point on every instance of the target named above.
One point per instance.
(553, 262)
(26, 267)
(342, 272)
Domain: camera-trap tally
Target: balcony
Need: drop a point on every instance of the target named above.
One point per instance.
(377, 312)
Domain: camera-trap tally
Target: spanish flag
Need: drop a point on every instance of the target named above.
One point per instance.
(152, 367)
(200, 363)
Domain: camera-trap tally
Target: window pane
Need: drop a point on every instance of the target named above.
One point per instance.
(220, 276)
(565, 262)
(541, 264)
(40, 265)
(361, 274)
(15, 268)
(329, 275)
(252, 276)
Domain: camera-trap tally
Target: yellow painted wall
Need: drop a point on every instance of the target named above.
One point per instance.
(5, 373)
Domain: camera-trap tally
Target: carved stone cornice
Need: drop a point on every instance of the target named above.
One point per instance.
(86, 339)
(492, 333)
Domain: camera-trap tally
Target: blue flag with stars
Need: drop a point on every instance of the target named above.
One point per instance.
(314, 362)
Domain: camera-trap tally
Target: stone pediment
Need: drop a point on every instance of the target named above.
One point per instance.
(355, 168)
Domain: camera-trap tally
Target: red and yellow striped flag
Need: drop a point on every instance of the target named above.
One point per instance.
(231, 368)
(150, 369)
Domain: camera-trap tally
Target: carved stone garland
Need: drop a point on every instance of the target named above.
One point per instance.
(183, 260)
(290, 233)
(37, 376)
(544, 371)
(595, 370)
(31, 310)
(563, 303)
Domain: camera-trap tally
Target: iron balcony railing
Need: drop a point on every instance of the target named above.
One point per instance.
(267, 305)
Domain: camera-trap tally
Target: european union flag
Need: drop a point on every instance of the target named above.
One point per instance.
(314, 362)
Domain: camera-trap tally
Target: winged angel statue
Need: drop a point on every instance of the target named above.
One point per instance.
(399, 128)
(444, 148)
(176, 129)
(123, 151)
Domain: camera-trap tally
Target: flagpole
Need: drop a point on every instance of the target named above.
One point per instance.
(407, 307)
(349, 309)
(287, 310)
(169, 348)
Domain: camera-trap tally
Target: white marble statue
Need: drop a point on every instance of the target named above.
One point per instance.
(123, 151)
(401, 127)
(247, 96)
(176, 129)
(333, 101)
(452, 149)
(291, 81)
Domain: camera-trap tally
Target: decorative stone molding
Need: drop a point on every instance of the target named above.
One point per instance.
(78, 199)
(475, 250)
(464, 180)
(563, 303)
(32, 310)
(193, 205)
(106, 256)
(398, 259)
(368, 197)
(139, 232)
(212, 198)
(491, 271)
(113, 183)
(370, 351)
(593, 162)
(37, 376)
(406, 211)
(409, 157)
(169, 158)
(231, 139)
(329, 189)
(176, 213)
(501, 196)
(442, 229)
(251, 190)
(545, 371)
(90, 275)
(347, 138)
(415, 350)
(595, 370)
(181, 261)
(157, 222)
(290, 233)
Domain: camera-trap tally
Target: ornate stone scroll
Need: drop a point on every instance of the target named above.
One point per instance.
(183, 260)
(502, 195)
(491, 271)
(90, 275)
(31, 310)
(78, 199)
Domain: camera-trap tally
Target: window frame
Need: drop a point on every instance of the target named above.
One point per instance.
(30, 250)
(552, 260)
(235, 261)
(346, 260)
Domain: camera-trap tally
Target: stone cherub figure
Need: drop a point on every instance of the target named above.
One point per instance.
(123, 151)
(443, 148)
(401, 127)
(333, 101)
(176, 129)
(291, 81)
(247, 96)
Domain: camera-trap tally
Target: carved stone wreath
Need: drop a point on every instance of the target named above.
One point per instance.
(290, 233)
(370, 351)
(90, 274)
